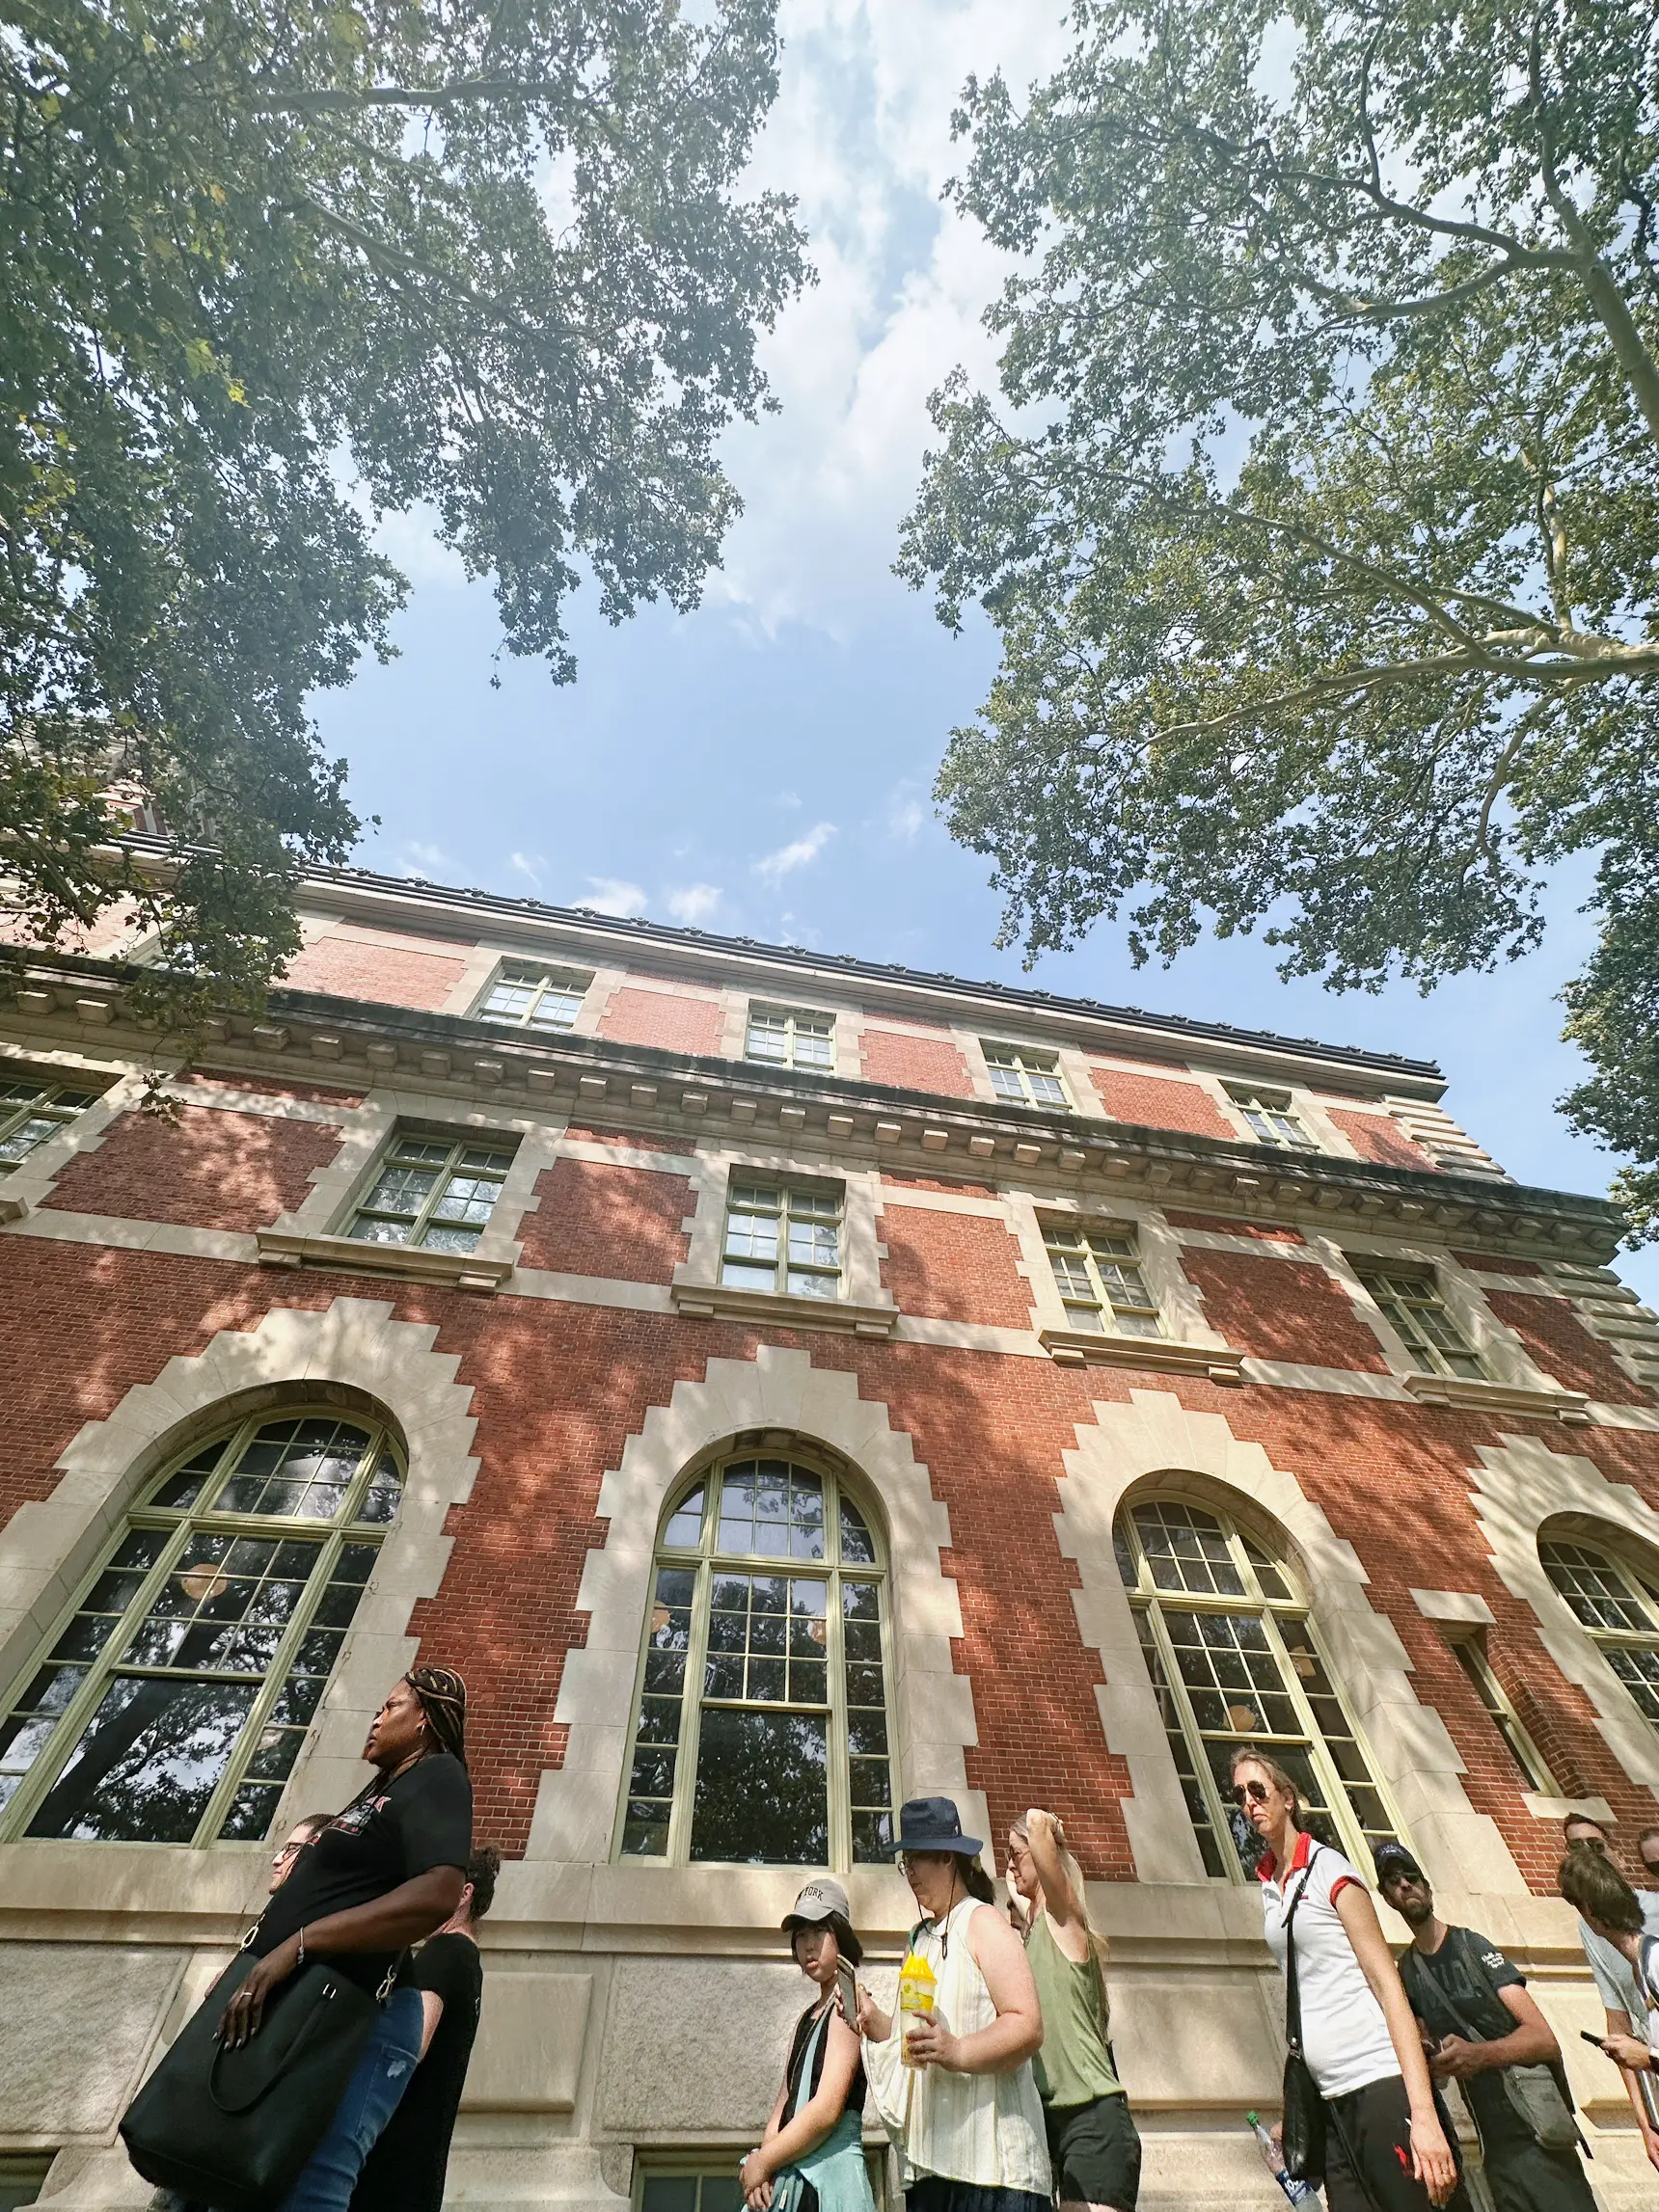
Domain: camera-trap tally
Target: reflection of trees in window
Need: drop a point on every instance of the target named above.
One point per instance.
(1233, 1659)
(761, 1732)
(173, 1702)
(1619, 1608)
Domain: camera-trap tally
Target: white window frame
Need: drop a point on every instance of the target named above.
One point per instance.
(799, 1203)
(546, 981)
(1635, 1639)
(1023, 1062)
(1107, 1258)
(56, 1102)
(1270, 1594)
(448, 1170)
(793, 1020)
(1470, 1653)
(1270, 1116)
(1399, 1294)
(704, 1557)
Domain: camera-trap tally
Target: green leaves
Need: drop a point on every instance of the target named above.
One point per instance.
(495, 261)
(1322, 529)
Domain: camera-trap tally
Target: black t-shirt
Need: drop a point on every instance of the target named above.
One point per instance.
(383, 1839)
(404, 2172)
(1466, 1973)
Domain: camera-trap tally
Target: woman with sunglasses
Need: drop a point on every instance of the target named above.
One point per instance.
(1388, 2141)
(964, 2112)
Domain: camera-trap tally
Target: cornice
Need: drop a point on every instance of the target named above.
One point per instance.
(567, 933)
(304, 1035)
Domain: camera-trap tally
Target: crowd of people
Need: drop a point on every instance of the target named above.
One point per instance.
(995, 2076)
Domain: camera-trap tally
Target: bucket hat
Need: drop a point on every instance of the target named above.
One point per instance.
(933, 1825)
(824, 1903)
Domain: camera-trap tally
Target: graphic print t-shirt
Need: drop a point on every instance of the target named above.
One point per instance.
(1464, 1977)
(422, 1821)
(404, 2172)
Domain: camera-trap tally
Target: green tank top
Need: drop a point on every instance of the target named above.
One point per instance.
(1071, 2067)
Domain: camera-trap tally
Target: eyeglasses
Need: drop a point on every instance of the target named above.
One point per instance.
(1250, 1792)
(1595, 1843)
(289, 1852)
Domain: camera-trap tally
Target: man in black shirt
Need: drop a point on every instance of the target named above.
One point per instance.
(1479, 2020)
(404, 2172)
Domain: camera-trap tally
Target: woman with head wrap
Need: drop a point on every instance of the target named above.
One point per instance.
(381, 1876)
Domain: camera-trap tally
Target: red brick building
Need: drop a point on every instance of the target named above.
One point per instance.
(783, 1385)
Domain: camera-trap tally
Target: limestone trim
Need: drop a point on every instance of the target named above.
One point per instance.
(36, 1176)
(357, 1256)
(782, 1395)
(1156, 1439)
(354, 1353)
(1519, 1487)
(223, 1094)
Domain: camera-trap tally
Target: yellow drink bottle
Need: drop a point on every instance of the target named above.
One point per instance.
(918, 1985)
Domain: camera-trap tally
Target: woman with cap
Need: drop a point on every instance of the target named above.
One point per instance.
(380, 1875)
(811, 2158)
(1092, 2144)
(965, 2111)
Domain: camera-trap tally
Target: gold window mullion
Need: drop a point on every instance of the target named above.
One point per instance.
(1335, 1790)
(840, 1775)
(692, 1693)
(1220, 1813)
(422, 1220)
(52, 1758)
(276, 1677)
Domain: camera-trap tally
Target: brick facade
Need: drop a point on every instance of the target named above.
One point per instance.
(1374, 1137)
(1159, 1102)
(1015, 1677)
(208, 1169)
(910, 1063)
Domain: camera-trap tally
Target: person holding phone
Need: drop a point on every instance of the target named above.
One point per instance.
(1608, 1905)
(811, 2158)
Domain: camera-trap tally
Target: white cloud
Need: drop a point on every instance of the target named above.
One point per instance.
(908, 813)
(428, 860)
(612, 895)
(694, 905)
(860, 133)
(800, 855)
(530, 866)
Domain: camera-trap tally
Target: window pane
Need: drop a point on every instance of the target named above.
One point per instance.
(762, 1792)
(147, 1763)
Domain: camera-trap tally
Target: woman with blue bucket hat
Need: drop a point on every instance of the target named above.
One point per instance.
(964, 2112)
(811, 2158)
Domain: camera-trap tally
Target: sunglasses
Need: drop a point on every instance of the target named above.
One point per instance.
(1250, 1792)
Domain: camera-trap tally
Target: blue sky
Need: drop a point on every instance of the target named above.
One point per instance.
(764, 766)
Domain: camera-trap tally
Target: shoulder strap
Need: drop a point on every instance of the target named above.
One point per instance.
(1443, 1996)
(1292, 1993)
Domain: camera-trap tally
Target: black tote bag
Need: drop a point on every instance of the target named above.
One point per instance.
(1305, 2116)
(233, 2128)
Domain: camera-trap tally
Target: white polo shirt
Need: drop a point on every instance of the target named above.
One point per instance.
(1345, 2036)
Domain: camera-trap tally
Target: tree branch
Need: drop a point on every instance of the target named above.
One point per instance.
(336, 100)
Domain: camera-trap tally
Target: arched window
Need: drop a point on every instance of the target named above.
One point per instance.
(761, 1733)
(1619, 1606)
(174, 1696)
(1233, 1660)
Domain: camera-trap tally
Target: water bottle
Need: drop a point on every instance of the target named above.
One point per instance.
(1299, 2192)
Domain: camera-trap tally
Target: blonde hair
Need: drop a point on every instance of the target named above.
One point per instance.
(1098, 1946)
(1247, 1755)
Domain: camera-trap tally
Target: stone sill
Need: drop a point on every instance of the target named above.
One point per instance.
(723, 1302)
(1160, 1354)
(1482, 1398)
(409, 1264)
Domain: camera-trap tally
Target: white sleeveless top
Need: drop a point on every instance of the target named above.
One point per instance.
(983, 2129)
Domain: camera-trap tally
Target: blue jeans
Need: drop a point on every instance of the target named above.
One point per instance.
(371, 2096)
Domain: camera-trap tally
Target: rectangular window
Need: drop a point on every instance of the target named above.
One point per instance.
(1269, 1118)
(788, 1037)
(24, 2175)
(31, 1109)
(1098, 1274)
(526, 996)
(432, 1193)
(1529, 1760)
(783, 1238)
(1413, 1304)
(1025, 1075)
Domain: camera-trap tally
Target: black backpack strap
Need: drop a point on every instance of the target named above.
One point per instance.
(1292, 1992)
